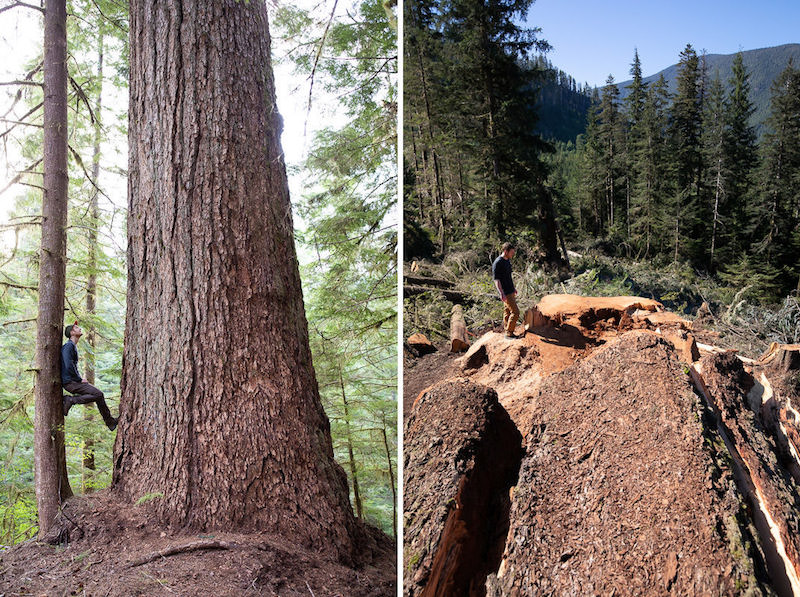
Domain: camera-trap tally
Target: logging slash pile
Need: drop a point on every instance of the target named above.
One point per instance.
(610, 449)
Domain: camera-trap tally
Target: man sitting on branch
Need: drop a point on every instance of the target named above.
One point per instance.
(83, 392)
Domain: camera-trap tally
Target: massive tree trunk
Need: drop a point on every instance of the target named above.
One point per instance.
(52, 484)
(220, 410)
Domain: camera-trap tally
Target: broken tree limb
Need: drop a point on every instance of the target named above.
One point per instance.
(451, 295)
(458, 330)
(185, 548)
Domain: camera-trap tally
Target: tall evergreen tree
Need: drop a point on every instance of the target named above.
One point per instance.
(740, 151)
(634, 109)
(485, 46)
(776, 216)
(592, 177)
(52, 484)
(685, 118)
(471, 104)
(715, 144)
(220, 409)
(610, 136)
(651, 187)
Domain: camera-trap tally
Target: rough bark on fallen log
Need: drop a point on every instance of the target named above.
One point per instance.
(451, 295)
(458, 330)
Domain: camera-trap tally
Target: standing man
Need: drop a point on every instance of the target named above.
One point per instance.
(501, 272)
(83, 392)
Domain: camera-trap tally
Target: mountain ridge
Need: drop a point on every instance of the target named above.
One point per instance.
(563, 109)
(762, 64)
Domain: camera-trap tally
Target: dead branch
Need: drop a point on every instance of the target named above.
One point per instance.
(19, 123)
(20, 286)
(451, 295)
(5, 323)
(177, 549)
(82, 97)
(28, 77)
(22, 5)
(20, 82)
(78, 159)
(19, 175)
(424, 281)
(316, 62)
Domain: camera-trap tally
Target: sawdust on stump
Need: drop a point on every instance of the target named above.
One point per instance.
(617, 492)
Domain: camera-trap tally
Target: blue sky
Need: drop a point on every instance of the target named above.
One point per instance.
(592, 39)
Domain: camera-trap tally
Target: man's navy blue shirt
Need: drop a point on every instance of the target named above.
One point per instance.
(69, 363)
(501, 270)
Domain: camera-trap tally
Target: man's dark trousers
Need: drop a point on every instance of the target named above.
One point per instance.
(85, 393)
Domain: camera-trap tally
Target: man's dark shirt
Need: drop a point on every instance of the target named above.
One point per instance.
(69, 363)
(501, 270)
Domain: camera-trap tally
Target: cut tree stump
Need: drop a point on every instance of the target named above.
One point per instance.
(421, 344)
(783, 358)
(458, 330)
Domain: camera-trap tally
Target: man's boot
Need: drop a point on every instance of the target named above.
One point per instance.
(66, 403)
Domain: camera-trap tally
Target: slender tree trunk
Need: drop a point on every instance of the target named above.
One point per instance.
(52, 483)
(677, 228)
(351, 457)
(717, 193)
(220, 410)
(611, 185)
(628, 206)
(91, 284)
(391, 476)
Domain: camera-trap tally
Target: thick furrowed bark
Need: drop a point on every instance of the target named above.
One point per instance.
(220, 409)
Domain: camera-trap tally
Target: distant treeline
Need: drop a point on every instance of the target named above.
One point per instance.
(682, 176)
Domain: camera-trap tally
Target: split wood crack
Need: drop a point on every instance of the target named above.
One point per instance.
(178, 549)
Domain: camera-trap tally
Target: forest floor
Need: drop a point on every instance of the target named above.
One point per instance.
(117, 550)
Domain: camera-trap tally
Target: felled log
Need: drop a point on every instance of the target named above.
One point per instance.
(451, 295)
(458, 330)
(424, 281)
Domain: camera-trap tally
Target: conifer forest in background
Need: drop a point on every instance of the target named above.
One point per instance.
(682, 180)
(346, 235)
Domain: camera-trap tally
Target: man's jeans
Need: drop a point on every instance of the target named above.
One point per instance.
(85, 393)
(510, 313)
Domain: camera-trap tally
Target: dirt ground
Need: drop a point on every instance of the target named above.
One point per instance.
(110, 541)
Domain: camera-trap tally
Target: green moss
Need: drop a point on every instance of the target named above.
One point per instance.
(148, 497)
